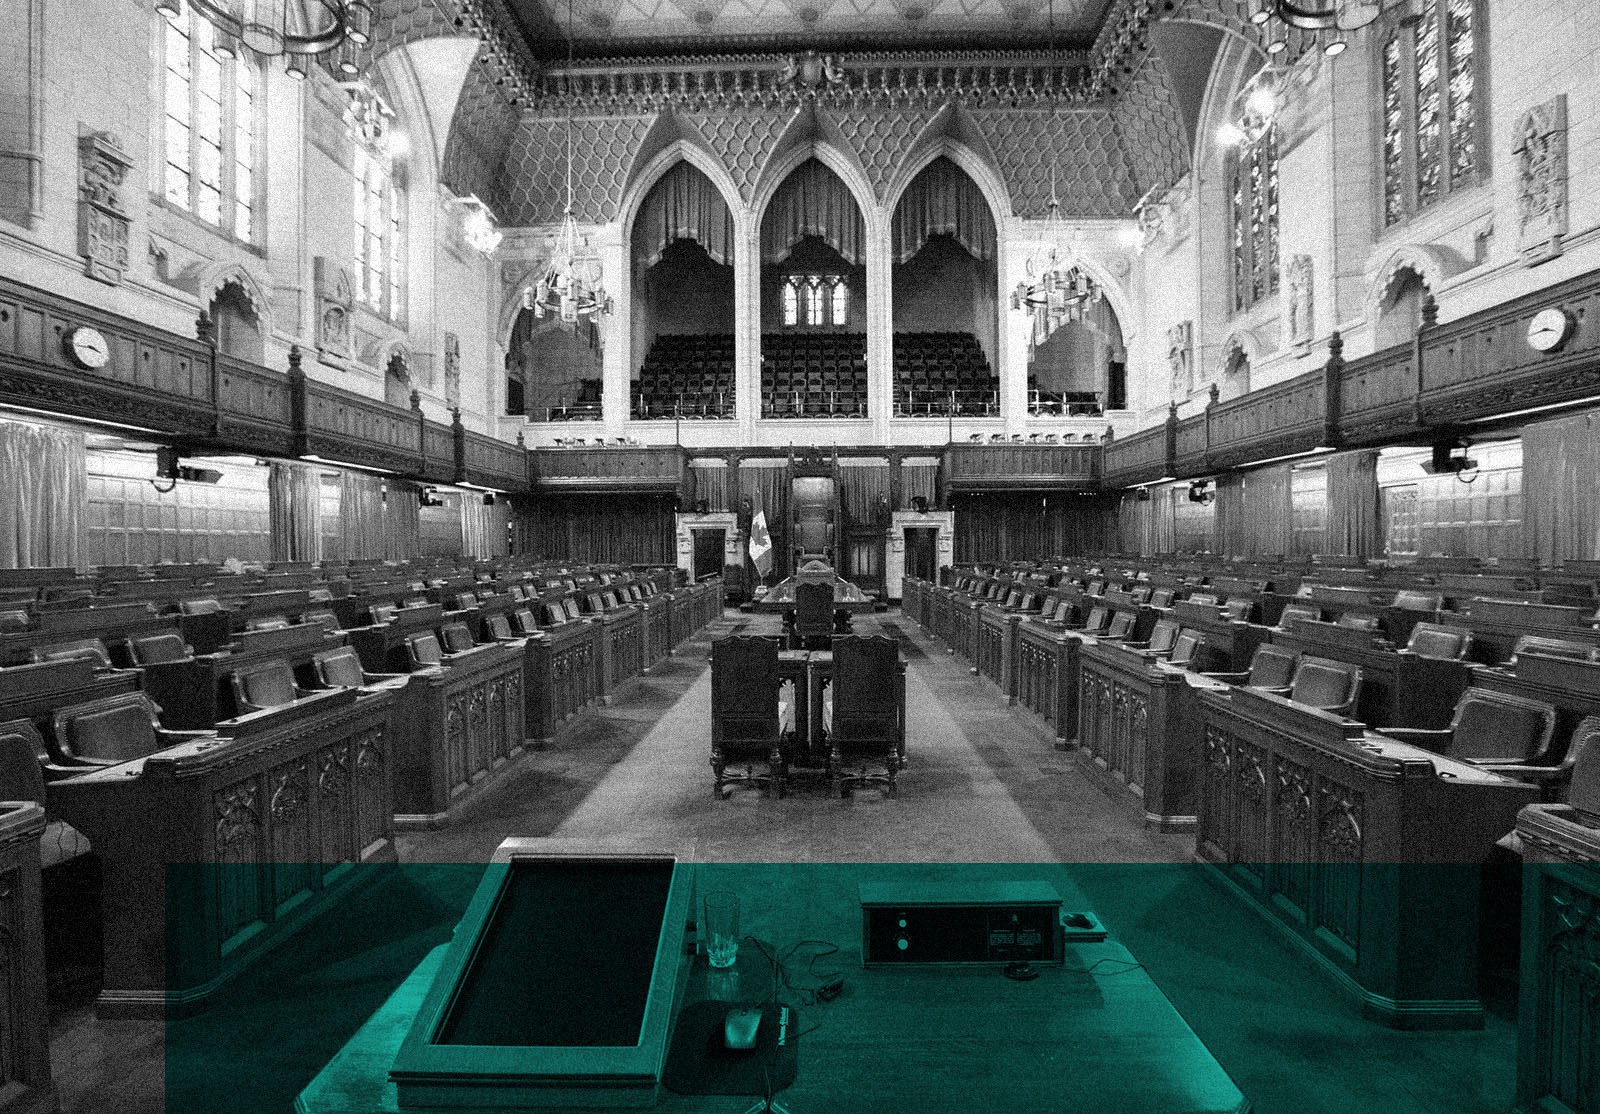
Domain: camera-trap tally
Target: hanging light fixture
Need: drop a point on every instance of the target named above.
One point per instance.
(1336, 17)
(570, 286)
(1056, 289)
(292, 29)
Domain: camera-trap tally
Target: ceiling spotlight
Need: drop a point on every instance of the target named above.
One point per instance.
(1260, 15)
(1263, 99)
(1335, 48)
(1277, 46)
(1230, 135)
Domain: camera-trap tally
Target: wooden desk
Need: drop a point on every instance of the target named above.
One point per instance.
(1398, 689)
(936, 1040)
(1365, 851)
(25, 1038)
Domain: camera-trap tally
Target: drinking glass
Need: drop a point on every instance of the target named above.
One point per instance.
(722, 928)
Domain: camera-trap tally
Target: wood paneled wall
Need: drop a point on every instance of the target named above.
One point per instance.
(129, 522)
(1010, 526)
(1427, 515)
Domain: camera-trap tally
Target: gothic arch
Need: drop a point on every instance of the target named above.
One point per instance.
(210, 279)
(1436, 266)
(973, 165)
(643, 179)
(792, 152)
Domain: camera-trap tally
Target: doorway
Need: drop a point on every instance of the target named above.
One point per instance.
(709, 546)
(922, 552)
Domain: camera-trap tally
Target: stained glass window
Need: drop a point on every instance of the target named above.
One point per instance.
(1253, 220)
(377, 204)
(209, 107)
(791, 303)
(1430, 111)
(841, 303)
(816, 300)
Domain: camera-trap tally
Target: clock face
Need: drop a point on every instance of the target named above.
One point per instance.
(88, 348)
(1548, 329)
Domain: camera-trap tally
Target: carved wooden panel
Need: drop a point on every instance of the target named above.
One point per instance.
(630, 467)
(1136, 458)
(1021, 466)
(1377, 394)
(345, 426)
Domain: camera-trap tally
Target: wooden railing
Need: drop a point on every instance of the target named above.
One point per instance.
(1013, 467)
(188, 390)
(617, 468)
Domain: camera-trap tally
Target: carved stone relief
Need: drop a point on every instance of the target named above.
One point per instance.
(1180, 358)
(104, 219)
(452, 370)
(1297, 296)
(336, 298)
(1541, 151)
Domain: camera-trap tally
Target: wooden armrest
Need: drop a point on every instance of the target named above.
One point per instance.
(1433, 738)
(171, 738)
(1230, 678)
(1526, 773)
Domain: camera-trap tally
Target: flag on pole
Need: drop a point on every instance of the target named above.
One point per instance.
(760, 544)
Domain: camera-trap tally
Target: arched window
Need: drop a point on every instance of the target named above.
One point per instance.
(816, 301)
(210, 101)
(1253, 219)
(378, 205)
(816, 305)
(791, 304)
(841, 303)
(1431, 116)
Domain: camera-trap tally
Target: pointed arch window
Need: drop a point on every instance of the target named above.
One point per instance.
(816, 301)
(1253, 219)
(378, 205)
(1432, 119)
(791, 304)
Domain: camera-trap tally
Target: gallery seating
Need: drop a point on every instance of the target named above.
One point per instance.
(747, 722)
(864, 718)
(943, 373)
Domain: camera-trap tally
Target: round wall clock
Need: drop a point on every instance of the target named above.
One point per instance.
(1548, 330)
(87, 348)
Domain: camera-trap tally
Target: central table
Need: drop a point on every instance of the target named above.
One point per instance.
(1095, 1034)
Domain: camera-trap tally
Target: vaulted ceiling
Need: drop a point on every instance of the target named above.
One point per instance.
(600, 29)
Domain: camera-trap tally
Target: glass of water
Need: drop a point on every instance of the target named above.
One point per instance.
(721, 927)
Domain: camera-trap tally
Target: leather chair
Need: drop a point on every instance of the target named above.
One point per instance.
(327, 620)
(1297, 611)
(1097, 621)
(199, 607)
(1357, 621)
(1237, 611)
(1121, 625)
(1162, 597)
(1553, 648)
(749, 719)
(813, 616)
(108, 731)
(1271, 669)
(382, 613)
(270, 685)
(341, 668)
(499, 627)
(1434, 640)
(523, 622)
(1332, 686)
(158, 649)
(423, 650)
(1163, 637)
(23, 756)
(267, 622)
(456, 638)
(1582, 764)
(1188, 649)
(14, 619)
(1496, 730)
(91, 649)
(863, 716)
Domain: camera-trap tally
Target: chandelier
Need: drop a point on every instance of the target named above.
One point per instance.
(570, 285)
(1057, 290)
(293, 29)
(1337, 16)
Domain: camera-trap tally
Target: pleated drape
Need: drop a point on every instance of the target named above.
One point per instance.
(1353, 504)
(813, 202)
(294, 498)
(43, 490)
(1026, 527)
(402, 522)
(862, 487)
(1254, 513)
(767, 488)
(684, 205)
(1147, 526)
(918, 480)
(943, 201)
(619, 529)
(361, 515)
(711, 485)
(1560, 474)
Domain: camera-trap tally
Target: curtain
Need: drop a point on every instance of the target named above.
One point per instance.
(813, 202)
(942, 200)
(1028, 527)
(919, 479)
(483, 526)
(767, 488)
(619, 529)
(361, 515)
(1147, 526)
(294, 498)
(710, 484)
(44, 487)
(402, 522)
(1560, 464)
(861, 488)
(1254, 515)
(1353, 504)
(684, 205)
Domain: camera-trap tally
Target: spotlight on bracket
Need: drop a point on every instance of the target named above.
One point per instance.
(169, 469)
(1201, 491)
(1449, 459)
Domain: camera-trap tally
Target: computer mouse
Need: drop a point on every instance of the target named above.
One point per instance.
(739, 1030)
